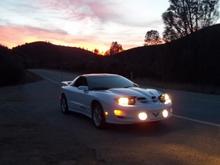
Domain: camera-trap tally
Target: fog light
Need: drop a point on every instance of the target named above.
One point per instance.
(118, 112)
(165, 113)
(142, 116)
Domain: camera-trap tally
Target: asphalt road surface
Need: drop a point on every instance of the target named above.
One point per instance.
(34, 131)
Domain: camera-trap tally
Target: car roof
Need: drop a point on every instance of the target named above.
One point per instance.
(99, 75)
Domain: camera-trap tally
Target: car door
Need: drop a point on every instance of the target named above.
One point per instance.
(70, 94)
(80, 97)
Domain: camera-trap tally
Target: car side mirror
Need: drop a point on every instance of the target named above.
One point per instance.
(84, 88)
(66, 82)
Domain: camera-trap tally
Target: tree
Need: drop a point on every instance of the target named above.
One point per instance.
(114, 49)
(152, 37)
(186, 16)
(96, 51)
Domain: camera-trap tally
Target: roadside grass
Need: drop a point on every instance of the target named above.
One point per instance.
(151, 83)
(148, 83)
(28, 77)
(208, 89)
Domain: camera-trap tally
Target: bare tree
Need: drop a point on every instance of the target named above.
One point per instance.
(186, 16)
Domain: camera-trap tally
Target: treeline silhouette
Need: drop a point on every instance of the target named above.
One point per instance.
(11, 69)
(192, 59)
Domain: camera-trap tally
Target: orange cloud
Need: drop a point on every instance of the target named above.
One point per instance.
(15, 35)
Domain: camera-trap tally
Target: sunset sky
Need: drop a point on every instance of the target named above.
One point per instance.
(83, 23)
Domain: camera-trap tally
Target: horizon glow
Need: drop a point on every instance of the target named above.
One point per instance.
(87, 24)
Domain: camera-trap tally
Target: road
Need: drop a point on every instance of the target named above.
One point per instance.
(34, 131)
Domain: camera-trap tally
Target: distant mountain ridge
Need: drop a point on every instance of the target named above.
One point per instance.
(192, 59)
(47, 55)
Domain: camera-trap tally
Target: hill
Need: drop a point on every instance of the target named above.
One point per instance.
(47, 55)
(192, 59)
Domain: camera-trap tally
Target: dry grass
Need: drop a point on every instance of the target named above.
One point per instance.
(178, 86)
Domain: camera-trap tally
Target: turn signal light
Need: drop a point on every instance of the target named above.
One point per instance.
(119, 113)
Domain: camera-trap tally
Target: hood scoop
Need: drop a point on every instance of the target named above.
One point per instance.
(145, 100)
(142, 95)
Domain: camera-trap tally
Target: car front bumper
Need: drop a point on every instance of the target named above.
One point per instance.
(131, 114)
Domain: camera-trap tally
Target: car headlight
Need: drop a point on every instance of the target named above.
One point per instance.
(165, 98)
(125, 101)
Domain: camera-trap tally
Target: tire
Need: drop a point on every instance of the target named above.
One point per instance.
(63, 104)
(98, 117)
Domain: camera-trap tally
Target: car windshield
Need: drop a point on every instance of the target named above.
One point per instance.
(107, 82)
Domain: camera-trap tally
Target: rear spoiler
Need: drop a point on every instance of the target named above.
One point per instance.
(67, 83)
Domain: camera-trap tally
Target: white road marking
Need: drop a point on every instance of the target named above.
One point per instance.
(196, 121)
(177, 116)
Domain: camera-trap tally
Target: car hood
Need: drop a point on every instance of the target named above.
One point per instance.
(135, 91)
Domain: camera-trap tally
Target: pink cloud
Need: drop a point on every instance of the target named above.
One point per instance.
(81, 9)
(12, 36)
(15, 35)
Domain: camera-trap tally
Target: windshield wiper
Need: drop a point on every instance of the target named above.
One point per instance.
(128, 86)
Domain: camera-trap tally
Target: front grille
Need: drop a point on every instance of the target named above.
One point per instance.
(142, 99)
(155, 114)
(153, 97)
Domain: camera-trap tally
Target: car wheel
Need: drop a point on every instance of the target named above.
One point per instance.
(63, 104)
(98, 117)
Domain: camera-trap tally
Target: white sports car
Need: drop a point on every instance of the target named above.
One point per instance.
(111, 98)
